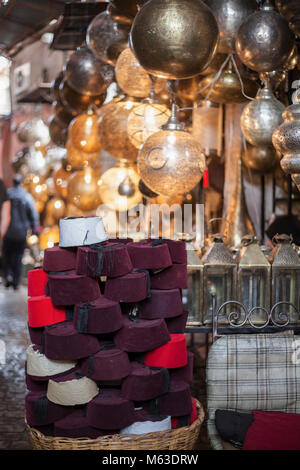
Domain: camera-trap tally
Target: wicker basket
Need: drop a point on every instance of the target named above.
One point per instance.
(174, 439)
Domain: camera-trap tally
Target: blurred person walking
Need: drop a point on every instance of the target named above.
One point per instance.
(23, 216)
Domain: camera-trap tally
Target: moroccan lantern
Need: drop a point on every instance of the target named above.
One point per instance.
(132, 78)
(86, 74)
(84, 189)
(61, 178)
(113, 134)
(174, 39)
(83, 132)
(107, 38)
(49, 237)
(119, 188)
(78, 102)
(208, 126)
(58, 131)
(259, 158)
(171, 161)
(261, 117)
(286, 139)
(146, 119)
(264, 41)
(79, 159)
(227, 88)
(230, 14)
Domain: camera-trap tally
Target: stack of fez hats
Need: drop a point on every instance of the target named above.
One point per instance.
(106, 323)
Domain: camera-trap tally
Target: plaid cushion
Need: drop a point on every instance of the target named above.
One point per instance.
(252, 372)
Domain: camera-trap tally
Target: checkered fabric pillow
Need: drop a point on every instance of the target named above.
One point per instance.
(252, 372)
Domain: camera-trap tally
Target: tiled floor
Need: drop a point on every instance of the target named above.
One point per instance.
(13, 331)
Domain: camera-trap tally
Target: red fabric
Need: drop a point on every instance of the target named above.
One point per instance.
(273, 431)
(206, 178)
(193, 416)
(41, 312)
(37, 280)
(170, 355)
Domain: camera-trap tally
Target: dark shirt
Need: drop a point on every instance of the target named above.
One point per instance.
(23, 214)
(3, 193)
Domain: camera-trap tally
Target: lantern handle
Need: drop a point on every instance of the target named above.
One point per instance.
(276, 238)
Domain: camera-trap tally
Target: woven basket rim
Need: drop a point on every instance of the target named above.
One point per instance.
(125, 437)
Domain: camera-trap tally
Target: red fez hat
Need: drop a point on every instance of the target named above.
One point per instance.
(170, 355)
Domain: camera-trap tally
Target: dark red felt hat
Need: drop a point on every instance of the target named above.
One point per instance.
(76, 425)
(174, 277)
(101, 316)
(69, 288)
(177, 402)
(40, 411)
(161, 304)
(47, 430)
(37, 281)
(36, 335)
(186, 420)
(132, 287)
(107, 364)
(141, 335)
(63, 342)
(121, 240)
(42, 312)
(103, 259)
(170, 355)
(109, 410)
(177, 250)
(35, 385)
(177, 325)
(149, 255)
(59, 259)
(184, 374)
(145, 383)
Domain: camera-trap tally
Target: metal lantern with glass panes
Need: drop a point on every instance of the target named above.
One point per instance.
(254, 279)
(285, 277)
(192, 297)
(219, 278)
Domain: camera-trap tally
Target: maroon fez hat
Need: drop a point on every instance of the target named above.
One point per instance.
(185, 373)
(177, 402)
(177, 325)
(141, 335)
(109, 410)
(161, 304)
(35, 385)
(63, 342)
(177, 249)
(103, 259)
(47, 430)
(100, 316)
(132, 287)
(37, 281)
(107, 364)
(36, 335)
(145, 383)
(76, 425)
(69, 288)
(174, 277)
(59, 259)
(41, 411)
(149, 255)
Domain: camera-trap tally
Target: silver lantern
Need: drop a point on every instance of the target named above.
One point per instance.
(260, 118)
(254, 279)
(264, 41)
(230, 14)
(285, 277)
(192, 297)
(219, 279)
(286, 139)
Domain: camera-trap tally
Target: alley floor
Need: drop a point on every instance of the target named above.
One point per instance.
(13, 332)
